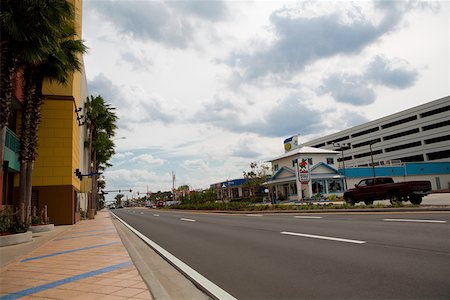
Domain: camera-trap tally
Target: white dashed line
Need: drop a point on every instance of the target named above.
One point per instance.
(254, 215)
(187, 220)
(156, 215)
(323, 237)
(142, 213)
(414, 220)
(307, 217)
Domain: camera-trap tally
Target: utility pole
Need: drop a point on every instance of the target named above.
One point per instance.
(342, 147)
(371, 155)
(173, 185)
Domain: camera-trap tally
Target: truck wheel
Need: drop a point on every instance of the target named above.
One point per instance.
(395, 199)
(415, 199)
(368, 202)
(350, 200)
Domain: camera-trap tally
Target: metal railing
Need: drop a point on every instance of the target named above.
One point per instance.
(12, 141)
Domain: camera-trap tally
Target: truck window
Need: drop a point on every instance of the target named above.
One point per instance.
(385, 180)
(362, 183)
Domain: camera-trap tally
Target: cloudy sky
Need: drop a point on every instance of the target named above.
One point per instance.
(203, 88)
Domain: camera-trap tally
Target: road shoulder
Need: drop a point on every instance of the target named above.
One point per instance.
(162, 279)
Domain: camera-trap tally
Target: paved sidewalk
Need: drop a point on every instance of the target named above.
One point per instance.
(87, 261)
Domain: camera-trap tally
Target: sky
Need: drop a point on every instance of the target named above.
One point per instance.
(204, 88)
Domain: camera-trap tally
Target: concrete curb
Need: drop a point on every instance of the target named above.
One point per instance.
(14, 239)
(42, 228)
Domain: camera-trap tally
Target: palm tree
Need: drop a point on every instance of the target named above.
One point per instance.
(101, 120)
(29, 31)
(57, 66)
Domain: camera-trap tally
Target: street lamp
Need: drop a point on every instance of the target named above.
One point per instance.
(120, 138)
(371, 155)
(342, 147)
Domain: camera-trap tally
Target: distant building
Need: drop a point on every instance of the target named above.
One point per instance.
(236, 190)
(413, 144)
(308, 169)
(418, 134)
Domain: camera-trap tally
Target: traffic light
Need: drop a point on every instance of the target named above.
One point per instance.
(78, 174)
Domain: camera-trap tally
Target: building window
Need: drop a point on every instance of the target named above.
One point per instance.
(330, 161)
(366, 143)
(404, 133)
(294, 162)
(398, 122)
(334, 186)
(435, 111)
(338, 140)
(364, 132)
(438, 155)
(275, 167)
(405, 146)
(438, 139)
(310, 161)
(367, 154)
(318, 186)
(319, 145)
(436, 125)
(413, 158)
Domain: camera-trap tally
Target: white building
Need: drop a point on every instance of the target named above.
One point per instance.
(421, 133)
(308, 169)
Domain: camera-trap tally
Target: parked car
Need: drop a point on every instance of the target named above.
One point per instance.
(380, 188)
(160, 203)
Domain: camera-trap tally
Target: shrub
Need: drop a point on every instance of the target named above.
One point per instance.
(36, 220)
(10, 221)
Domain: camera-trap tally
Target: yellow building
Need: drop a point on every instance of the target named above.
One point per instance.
(61, 146)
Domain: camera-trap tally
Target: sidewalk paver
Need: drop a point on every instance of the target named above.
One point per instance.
(88, 261)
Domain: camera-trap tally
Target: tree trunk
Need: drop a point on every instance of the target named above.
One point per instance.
(23, 182)
(29, 184)
(2, 146)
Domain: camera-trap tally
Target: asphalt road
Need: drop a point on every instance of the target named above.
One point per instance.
(294, 256)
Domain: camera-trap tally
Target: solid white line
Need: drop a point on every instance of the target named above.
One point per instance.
(307, 217)
(156, 215)
(323, 237)
(209, 286)
(254, 215)
(187, 220)
(414, 220)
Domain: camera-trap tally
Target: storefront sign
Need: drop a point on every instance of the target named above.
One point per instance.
(303, 172)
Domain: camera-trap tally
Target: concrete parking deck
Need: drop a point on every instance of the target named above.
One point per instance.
(86, 261)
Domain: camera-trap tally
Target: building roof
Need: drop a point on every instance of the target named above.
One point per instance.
(304, 150)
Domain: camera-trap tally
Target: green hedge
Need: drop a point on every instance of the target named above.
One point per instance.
(247, 206)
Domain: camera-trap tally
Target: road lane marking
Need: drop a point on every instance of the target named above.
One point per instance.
(187, 220)
(142, 213)
(307, 217)
(414, 220)
(254, 215)
(323, 237)
(156, 215)
(206, 285)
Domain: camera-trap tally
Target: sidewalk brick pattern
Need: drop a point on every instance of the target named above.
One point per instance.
(72, 258)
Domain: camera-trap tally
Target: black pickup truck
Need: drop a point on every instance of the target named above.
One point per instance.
(381, 188)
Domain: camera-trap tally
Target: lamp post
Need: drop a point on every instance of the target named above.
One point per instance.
(342, 147)
(120, 138)
(371, 155)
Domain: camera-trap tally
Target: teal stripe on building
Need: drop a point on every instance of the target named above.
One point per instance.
(408, 169)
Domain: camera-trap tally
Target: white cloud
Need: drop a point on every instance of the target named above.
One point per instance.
(148, 159)
(122, 155)
(202, 88)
